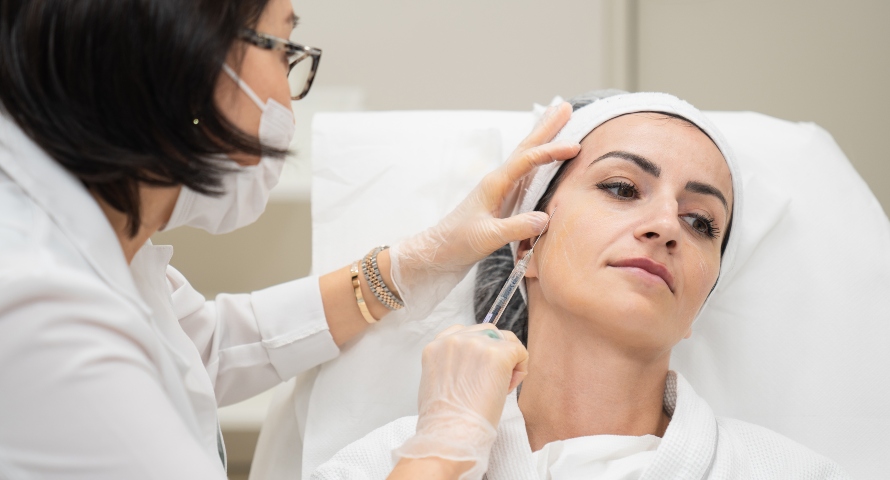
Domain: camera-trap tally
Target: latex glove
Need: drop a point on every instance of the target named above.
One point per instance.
(427, 266)
(467, 374)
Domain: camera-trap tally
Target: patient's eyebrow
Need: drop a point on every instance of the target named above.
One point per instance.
(705, 189)
(646, 165)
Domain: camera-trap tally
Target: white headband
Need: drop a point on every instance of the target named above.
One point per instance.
(585, 119)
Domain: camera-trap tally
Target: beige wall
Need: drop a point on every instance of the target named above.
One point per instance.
(457, 54)
(273, 250)
(808, 60)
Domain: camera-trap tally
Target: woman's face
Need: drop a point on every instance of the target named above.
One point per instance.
(633, 249)
(265, 71)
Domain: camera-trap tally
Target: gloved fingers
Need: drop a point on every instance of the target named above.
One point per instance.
(554, 118)
(463, 388)
(510, 355)
(477, 326)
(519, 359)
(519, 356)
(450, 330)
(509, 336)
(468, 343)
(471, 369)
(520, 371)
(521, 163)
(485, 328)
(499, 183)
(499, 232)
(519, 374)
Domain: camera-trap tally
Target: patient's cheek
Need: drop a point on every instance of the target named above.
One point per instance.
(559, 247)
(569, 257)
(568, 243)
(702, 270)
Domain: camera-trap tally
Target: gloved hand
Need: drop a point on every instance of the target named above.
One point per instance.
(467, 374)
(427, 266)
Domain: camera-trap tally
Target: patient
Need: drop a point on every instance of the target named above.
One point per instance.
(641, 230)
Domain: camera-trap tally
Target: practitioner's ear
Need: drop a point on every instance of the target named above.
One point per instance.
(524, 247)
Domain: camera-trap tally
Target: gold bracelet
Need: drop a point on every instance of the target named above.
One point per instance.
(358, 294)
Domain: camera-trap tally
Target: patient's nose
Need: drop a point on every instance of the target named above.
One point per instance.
(661, 225)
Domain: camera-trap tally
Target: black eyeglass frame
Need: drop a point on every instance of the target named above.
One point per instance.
(296, 53)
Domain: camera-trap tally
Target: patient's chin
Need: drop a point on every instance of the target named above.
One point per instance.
(636, 320)
(630, 300)
(626, 321)
(619, 309)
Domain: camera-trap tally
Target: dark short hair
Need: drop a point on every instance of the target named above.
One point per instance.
(493, 271)
(110, 89)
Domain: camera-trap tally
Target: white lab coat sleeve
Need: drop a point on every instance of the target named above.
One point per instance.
(251, 342)
(82, 398)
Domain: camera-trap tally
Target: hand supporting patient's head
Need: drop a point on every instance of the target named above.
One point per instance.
(635, 245)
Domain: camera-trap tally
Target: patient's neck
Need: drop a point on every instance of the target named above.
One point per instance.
(580, 385)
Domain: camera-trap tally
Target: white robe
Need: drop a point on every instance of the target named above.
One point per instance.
(696, 445)
(604, 457)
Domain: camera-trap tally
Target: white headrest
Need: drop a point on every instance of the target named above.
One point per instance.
(796, 339)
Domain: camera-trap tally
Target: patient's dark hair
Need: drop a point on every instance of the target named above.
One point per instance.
(110, 89)
(493, 271)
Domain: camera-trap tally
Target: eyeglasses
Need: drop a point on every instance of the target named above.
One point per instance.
(300, 74)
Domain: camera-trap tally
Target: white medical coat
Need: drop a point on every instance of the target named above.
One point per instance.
(696, 445)
(116, 371)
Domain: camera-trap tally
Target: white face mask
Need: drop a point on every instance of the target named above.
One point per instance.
(245, 191)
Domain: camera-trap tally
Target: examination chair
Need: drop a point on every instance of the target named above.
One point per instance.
(797, 340)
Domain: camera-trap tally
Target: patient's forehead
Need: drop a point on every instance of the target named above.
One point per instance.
(677, 146)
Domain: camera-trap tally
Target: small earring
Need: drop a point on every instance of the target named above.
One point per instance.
(195, 121)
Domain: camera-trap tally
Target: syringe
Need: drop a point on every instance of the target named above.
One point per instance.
(500, 303)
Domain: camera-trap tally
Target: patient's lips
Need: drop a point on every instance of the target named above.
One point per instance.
(647, 267)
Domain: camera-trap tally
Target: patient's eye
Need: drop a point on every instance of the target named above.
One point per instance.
(622, 190)
(701, 224)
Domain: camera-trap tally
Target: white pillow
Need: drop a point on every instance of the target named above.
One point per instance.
(796, 341)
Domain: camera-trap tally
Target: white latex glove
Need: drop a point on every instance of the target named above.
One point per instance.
(427, 266)
(467, 374)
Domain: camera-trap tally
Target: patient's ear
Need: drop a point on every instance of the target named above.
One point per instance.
(688, 332)
(524, 247)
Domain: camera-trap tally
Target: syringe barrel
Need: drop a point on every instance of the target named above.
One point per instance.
(503, 298)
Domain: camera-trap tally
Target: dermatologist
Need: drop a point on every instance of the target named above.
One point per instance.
(121, 118)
